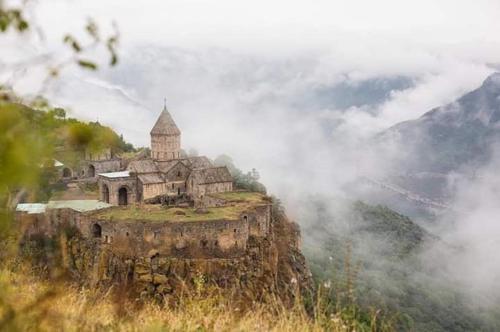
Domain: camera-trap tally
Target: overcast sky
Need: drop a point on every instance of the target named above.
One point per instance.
(270, 26)
(249, 78)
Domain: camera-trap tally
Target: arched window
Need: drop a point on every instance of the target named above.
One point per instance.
(66, 172)
(122, 196)
(91, 171)
(96, 230)
(105, 193)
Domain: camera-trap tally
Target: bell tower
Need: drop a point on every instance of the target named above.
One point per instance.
(165, 138)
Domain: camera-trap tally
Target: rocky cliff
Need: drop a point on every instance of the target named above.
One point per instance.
(269, 265)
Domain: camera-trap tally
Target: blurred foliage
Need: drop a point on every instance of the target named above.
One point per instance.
(28, 303)
(246, 181)
(32, 137)
(23, 150)
(12, 18)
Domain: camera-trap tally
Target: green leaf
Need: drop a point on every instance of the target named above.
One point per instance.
(92, 29)
(22, 25)
(87, 64)
(68, 39)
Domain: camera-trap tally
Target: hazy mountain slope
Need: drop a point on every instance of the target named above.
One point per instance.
(454, 136)
(377, 251)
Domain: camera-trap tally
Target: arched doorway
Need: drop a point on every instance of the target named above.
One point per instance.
(96, 230)
(105, 193)
(122, 196)
(91, 171)
(66, 172)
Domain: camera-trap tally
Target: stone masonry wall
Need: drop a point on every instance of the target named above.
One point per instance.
(165, 147)
(100, 166)
(268, 264)
(114, 185)
(197, 239)
(194, 239)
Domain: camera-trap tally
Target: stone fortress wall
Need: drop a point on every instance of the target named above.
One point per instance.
(183, 239)
(206, 239)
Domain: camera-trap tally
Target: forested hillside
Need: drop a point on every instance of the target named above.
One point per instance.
(34, 134)
(377, 254)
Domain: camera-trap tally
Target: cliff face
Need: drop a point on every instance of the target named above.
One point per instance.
(269, 265)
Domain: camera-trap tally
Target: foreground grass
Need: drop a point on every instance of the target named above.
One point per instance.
(27, 303)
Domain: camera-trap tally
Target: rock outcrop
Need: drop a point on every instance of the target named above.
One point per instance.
(269, 265)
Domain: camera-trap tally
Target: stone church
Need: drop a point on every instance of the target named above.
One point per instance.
(165, 176)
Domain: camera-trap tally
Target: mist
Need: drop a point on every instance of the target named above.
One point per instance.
(300, 100)
(472, 229)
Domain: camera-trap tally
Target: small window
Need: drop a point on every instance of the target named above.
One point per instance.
(172, 186)
(179, 174)
(96, 230)
(234, 230)
(127, 234)
(156, 234)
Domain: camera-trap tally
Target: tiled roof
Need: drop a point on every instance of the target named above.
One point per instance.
(213, 175)
(151, 178)
(142, 166)
(199, 162)
(165, 125)
(165, 166)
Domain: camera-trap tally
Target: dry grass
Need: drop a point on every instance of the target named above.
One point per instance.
(156, 213)
(26, 303)
(242, 196)
(238, 203)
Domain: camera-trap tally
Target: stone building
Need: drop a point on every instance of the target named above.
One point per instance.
(99, 162)
(91, 164)
(165, 138)
(165, 176)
